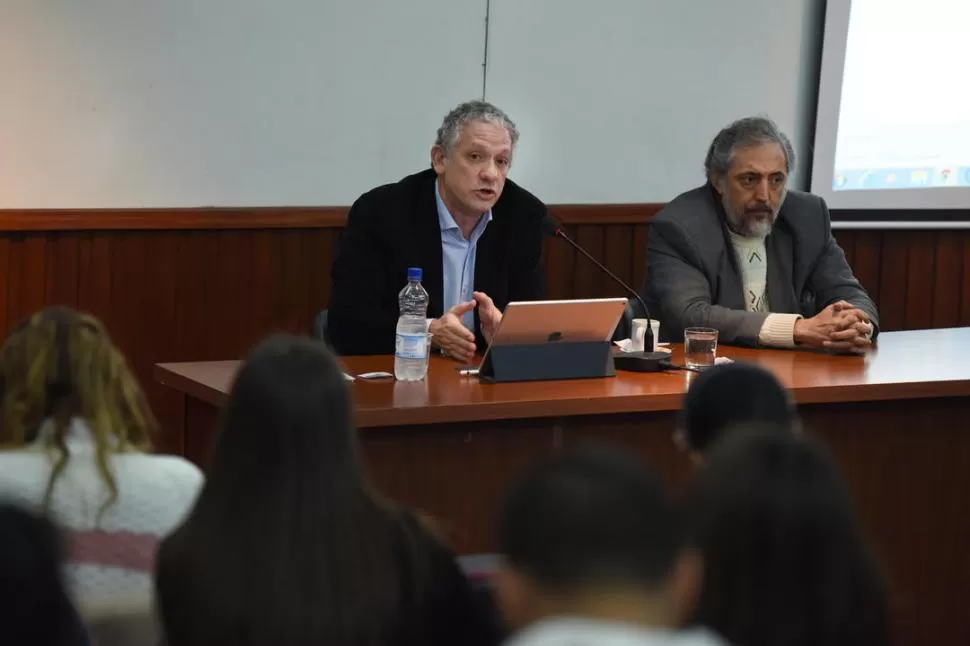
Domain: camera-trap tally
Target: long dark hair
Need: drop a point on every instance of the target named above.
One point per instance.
(785, 560)
(288, 543)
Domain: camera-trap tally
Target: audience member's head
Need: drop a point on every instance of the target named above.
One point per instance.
(592, 533)
(728, 396)
(34, 605)
(289, 421)
(785, 560)
(59, 365)
(287, 544)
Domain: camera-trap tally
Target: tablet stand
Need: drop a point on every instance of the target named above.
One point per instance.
(548, 361)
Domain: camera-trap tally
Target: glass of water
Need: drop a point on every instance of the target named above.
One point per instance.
(700, 347)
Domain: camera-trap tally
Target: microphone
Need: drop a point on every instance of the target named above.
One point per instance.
(631, 361)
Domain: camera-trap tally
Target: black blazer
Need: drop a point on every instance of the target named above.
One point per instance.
(394, 227)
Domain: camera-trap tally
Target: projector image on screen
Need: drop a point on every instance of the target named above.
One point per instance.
(893, 127)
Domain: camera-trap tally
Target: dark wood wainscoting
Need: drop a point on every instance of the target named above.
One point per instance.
(172, 295)
(178, 285)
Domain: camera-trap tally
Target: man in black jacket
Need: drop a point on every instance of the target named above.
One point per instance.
(476, 236)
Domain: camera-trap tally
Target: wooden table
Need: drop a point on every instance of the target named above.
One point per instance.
(896, 420)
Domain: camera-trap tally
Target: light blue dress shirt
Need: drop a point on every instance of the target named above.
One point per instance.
(458, 258)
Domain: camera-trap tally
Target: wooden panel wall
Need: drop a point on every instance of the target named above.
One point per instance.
(172, 295)
(171, 287)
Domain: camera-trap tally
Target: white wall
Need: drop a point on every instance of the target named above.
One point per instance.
(118, 103)
(618, 100)
(121, 103)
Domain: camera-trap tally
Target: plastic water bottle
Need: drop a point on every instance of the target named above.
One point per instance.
(411, 347)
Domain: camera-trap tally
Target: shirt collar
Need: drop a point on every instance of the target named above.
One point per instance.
(746, 241)
(446, 221)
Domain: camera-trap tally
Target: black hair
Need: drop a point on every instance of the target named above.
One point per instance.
(730, 395)
(592, 516)
(34, 605)
(785, 560)
(288, 543)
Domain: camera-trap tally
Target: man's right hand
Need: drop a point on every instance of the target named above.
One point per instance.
(450, 334)
(839, 327)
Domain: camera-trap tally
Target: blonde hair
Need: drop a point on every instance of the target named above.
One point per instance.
(58, 361)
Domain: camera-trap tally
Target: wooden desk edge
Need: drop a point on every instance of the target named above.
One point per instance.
(164, 375)
(632, 404)
(626, 404)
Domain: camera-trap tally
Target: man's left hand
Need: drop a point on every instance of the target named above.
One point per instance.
(489, 316)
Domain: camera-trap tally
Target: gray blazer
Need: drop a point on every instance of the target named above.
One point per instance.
(693, 278)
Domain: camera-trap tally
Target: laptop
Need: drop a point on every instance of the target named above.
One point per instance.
(536, 322)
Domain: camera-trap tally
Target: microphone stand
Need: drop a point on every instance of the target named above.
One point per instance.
(646, 361)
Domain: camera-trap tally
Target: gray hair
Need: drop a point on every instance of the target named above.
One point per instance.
(471, 112)
(744, 133)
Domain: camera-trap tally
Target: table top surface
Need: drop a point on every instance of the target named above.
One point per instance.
(904, 365)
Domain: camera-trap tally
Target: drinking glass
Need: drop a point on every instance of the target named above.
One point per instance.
(700, 347)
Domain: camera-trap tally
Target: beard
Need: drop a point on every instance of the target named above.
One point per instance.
(755, 222)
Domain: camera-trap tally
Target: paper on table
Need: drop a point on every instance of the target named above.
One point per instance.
(369, 375)
(625, 345)
(375, 375)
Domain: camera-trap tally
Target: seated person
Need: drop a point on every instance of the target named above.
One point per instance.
(35, 607)
(475, 234)
(751, 258)
(785, 560)
(592, 556)
(730, 396)
(76, 427)
(290, 543)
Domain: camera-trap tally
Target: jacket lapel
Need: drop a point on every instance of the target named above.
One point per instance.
(732, 288)
(485, 271)
(781, 293)
(427, 238)
(730, 292)
(483, 258)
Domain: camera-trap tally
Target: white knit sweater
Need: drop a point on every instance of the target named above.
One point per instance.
(111, 557)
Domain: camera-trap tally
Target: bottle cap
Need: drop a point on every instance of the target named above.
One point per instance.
(414, 273)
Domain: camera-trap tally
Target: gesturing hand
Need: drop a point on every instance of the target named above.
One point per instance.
(488, 315)
(451, 335)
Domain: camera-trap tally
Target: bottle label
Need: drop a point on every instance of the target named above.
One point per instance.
(411, 346)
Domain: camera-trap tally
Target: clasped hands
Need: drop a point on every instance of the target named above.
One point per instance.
(451, 336)
(840, 327)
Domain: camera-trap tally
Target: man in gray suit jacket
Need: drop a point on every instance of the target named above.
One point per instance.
(745, 255)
